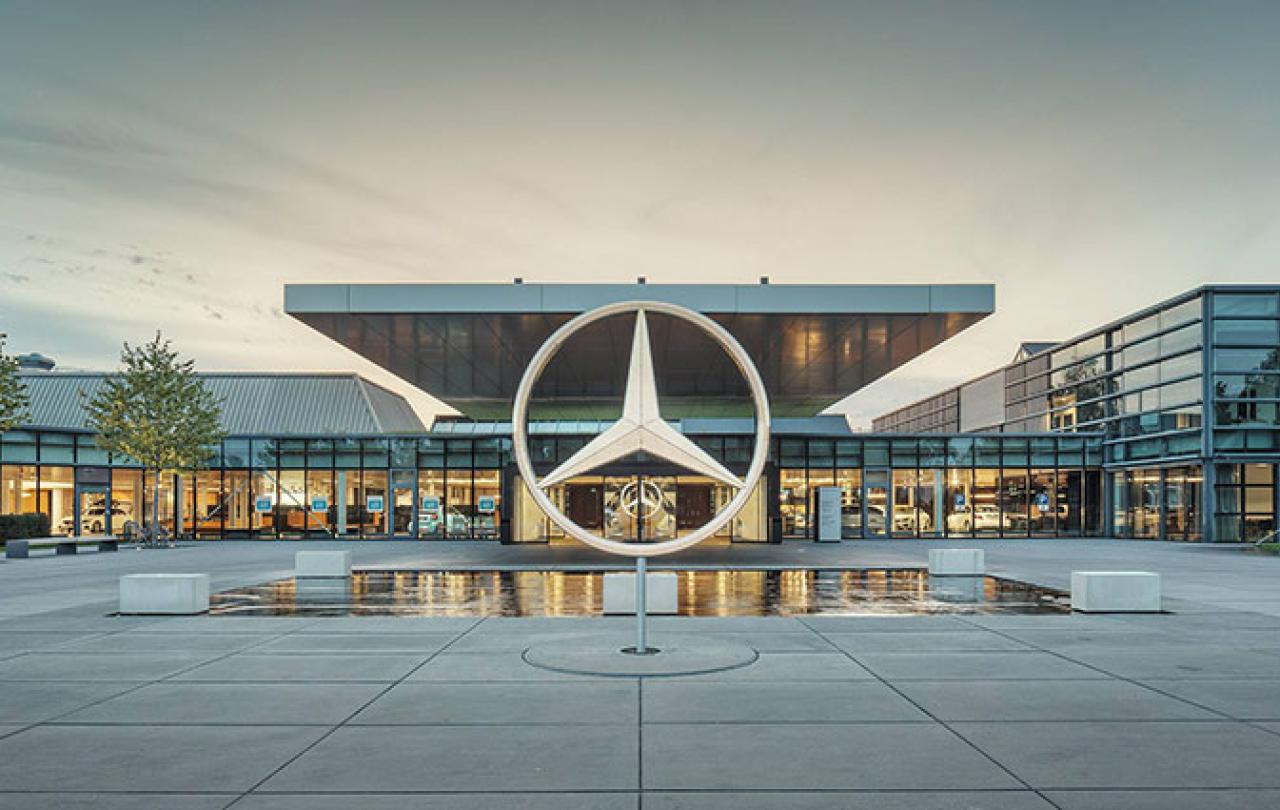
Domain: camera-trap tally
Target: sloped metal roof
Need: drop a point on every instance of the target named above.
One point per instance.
(253, 404)
(1030, 348)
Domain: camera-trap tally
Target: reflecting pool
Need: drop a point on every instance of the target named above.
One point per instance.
(791, 592)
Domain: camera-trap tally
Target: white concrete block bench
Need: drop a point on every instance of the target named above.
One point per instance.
(21, 549)
(322, 564)
(661, 593)
(1115, 592)
(957, 562)
(164, 594)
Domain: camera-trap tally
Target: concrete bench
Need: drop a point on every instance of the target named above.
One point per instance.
(661, 593)
(164, 594)
(21, 549)
(957, 562)
(1115, 592)
(322, 564)
(958, 590)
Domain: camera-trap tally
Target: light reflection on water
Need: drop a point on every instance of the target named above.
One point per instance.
(701, 593)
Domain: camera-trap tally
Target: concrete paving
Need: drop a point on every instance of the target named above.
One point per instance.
(1008, 712)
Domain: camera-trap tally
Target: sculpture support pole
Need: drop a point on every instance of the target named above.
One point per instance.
(642, 646)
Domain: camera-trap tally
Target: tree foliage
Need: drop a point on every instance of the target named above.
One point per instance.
(156, 411)
(14, 400)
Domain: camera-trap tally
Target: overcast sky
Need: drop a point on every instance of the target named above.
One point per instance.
(172, 165)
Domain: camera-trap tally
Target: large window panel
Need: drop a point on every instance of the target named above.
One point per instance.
(17, 446)
(1244, 305)
(18, 490)
(239, 501)
(375, 503)
(320, 504)
(488, 497)
(1014, 501)
(908, 520)
(1044, 510)
(850, 483)
(1227, 332)
(1180, 340)
(1246, 360)
(460, 515)
(1069, 500)
(793, 500)
(958, 503)
(210, 505)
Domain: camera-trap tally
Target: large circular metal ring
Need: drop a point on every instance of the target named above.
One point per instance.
(520, 439)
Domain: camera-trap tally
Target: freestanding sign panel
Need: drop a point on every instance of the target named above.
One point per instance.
(262, 504)
(829, 501)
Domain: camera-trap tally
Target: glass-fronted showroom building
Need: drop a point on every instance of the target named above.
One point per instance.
(1162, 424)
(453, 484)
(1185, 396)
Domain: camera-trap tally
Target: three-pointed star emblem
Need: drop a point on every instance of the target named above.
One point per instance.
(641, 428)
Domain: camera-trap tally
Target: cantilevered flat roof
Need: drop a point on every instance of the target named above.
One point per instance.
(759, 299)
(468, 344)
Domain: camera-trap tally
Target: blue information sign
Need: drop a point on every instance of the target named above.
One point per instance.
(319, 505)
(262, 504)
(374, 503)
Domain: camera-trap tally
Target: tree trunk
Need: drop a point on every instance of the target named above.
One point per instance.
(154, 534)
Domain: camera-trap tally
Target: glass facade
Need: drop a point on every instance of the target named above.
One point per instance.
(1162, 425)
(431, 487)
(958, 486)
(1185, 397)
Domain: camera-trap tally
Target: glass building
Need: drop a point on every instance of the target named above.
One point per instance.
(457, 483)
(1183, 396)
(1160, 425)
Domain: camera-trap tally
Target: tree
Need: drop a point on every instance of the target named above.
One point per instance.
(14, 400)
(157, 412)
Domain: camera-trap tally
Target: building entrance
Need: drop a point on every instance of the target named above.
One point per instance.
(584, 504)
(94, 511)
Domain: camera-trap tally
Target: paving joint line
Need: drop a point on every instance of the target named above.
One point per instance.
(343, 723)
(137, 686)
(1118, 677)
(1027, 785)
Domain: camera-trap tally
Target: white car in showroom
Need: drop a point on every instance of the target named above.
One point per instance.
(910, 519)
(93, 520)
(985, 517)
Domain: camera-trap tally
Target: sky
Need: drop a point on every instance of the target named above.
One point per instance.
(171, 165)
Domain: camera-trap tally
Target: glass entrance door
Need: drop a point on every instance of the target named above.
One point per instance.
(584, 502)
(93, 512)
(876, 503)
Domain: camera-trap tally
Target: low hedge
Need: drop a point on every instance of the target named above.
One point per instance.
(23, 527)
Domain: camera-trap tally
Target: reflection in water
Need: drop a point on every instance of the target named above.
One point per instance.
(702, 593)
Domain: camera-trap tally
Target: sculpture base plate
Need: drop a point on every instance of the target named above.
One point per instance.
(605, 654)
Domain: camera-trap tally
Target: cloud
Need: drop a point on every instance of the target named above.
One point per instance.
(102, 138)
